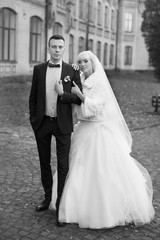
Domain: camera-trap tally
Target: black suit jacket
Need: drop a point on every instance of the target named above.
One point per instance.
(64, 103)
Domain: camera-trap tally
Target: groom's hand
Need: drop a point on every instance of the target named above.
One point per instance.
(59, 87)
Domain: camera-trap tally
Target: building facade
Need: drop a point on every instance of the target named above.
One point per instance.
(109, 28)
(131, 51)
(22, 36)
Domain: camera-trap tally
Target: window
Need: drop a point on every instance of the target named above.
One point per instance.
(35, 39)
(91, 11)
(81, 9)
(71, 43)
(90, 45)
(99, 50)
(112, 20)
(111, 54)
(105, 53)
(57, 29)
(7, 34)
(106, 15)
(61, 2)
(128, 55)
(81, 44)
(128, 22)
(99, 14)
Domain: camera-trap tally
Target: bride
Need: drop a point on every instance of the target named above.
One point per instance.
(105, 186)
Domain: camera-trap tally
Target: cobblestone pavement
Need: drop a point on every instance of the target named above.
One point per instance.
(20, 187)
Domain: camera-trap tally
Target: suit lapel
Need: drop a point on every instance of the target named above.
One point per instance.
(63, 71)
(43, 78)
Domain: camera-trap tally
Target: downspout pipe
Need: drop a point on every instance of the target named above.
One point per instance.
(87, 26)
(46, 29)
(117, 37)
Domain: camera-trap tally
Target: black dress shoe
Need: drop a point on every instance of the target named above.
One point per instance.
(61, 224)
(43, 206)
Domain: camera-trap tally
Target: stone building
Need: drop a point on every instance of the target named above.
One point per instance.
(22, 34)
(110, 28)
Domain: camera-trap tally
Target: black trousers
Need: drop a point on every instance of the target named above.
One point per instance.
(43, 136)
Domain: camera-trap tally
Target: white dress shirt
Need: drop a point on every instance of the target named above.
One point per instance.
(53, 74)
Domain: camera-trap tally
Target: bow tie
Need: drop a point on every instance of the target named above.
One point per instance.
(53, 65)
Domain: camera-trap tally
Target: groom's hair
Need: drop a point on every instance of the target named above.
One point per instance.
(57, 37)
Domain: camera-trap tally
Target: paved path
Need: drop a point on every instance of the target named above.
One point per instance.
(20, 187)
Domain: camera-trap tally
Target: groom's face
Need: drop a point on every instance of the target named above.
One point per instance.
(56, 49)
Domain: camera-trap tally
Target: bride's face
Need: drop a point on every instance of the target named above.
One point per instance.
(85, 65)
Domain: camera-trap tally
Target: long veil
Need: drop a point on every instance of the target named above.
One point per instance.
(112, 109)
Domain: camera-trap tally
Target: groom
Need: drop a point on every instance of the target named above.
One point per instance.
(51, 115)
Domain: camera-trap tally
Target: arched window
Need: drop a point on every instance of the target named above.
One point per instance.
(57, 28)
(81, 45)
(106, 17)
(7, 34)
(99, 14)
(112, 20)
(71, 47)
(90, 45)
(111, 54)
(91, 11)
(35, 39)
(99, 50)
(81, 9)
(105, 53)
(61, 3)
(128, 55)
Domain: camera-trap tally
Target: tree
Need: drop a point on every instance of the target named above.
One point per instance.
(151, 32)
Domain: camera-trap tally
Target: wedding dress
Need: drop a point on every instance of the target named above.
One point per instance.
(105, 186)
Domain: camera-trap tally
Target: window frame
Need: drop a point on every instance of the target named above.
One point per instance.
(112, 19)
(105, 56)
(90, 45)
(81, 44)
(128, 22)
(71, 48)
(38, 37)
(7, 31)
(106, 17)
(99, 13)
(99, 48)
(58, 28)
(81, 9)
(111, 57)
(128, 54)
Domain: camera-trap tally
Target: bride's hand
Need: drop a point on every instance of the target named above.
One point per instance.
(75, 89)
(78, 92)
(75, 66)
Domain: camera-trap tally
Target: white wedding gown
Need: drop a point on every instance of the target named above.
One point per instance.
(105, 186)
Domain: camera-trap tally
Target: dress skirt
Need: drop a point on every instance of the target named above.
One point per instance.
(105, 186)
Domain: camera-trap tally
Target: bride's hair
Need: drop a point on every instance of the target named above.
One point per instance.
(88, 55)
